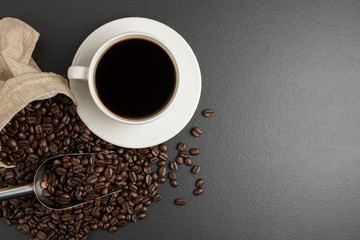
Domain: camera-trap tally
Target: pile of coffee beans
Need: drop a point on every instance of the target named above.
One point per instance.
(51, 127)
(72, 180)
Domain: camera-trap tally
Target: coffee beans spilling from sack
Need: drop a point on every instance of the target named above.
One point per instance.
(52, 127)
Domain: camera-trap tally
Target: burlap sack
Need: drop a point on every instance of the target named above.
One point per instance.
(21, 80)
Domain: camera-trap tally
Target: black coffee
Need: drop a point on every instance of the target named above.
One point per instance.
(135, 78)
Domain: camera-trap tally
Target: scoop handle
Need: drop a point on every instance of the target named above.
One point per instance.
(16, 191)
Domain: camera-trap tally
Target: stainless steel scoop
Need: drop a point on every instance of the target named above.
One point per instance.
(35, 187)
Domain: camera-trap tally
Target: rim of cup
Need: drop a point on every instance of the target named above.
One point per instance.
(103, 49)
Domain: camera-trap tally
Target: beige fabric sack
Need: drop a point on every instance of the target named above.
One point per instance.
(21, 80)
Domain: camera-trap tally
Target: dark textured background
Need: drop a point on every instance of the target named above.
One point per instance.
(281, 158)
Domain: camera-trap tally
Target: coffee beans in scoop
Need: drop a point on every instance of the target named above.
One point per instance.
(72, 180)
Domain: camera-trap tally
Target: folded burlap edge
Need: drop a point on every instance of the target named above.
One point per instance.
(37, 85)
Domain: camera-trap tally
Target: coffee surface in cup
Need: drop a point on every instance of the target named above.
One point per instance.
(135, 78)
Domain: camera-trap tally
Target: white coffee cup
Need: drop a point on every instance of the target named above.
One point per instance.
(84, 73)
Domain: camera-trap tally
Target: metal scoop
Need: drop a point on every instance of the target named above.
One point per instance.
(35, 187)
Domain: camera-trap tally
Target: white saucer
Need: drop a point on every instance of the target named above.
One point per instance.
(178, 114)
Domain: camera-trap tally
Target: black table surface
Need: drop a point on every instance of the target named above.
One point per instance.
(281, 156)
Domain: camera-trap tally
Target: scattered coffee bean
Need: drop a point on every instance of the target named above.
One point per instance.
(181, 146)
(195, 169)
(199, 182)
(184, 154)
(188, 161)
(163, 156)
(174, 183)
(196, 131)
(161, 163)
(163, 147)
(141, 216)
(162, 171)
(194, 151)
(173, 165)
(208, 113)
(157, 197)
(180, 202)
(198, 191)
(172, 175)
(179, 160)
(161, 180)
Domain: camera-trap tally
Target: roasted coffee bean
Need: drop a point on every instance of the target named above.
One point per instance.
(181, 146)
(174, 183)
(133, 177)
(194, 151)
(92, 179)
(198, 191)
(196, 131)
(147, 170)
(46, 193)
(199, 183)
(163, 156)
(161, 180)
(47, 127)
(161, 163)
(179, 160)
(99, 186)
(121, 223)
(44, 184)
(42, 142)
(41, 235)
(184, 154)
(97, 148)
(108, 173)
(173, 165)
(23, 143)
(55, 109)
(99, 169)
(157, 197)
(31, 120)
(195, 169)
(60, 171)
(155, 152)
(172, 175)
(188, 161)
(148, 179)
(141, 216)
(11, 142)
(162, 171)
(180, 202)
(163, 147)
(154, 160)
(66, 217)
(208, 113)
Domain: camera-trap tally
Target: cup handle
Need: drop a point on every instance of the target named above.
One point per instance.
(78, 73)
